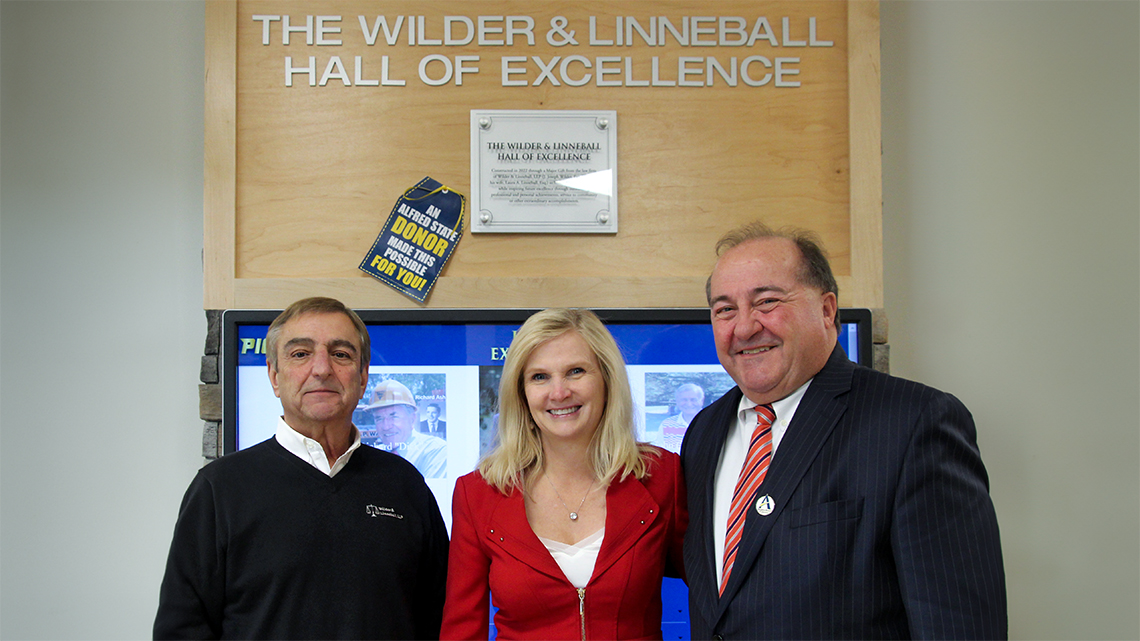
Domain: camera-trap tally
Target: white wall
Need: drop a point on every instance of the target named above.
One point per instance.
(1011, 136)
(100, 308)
(1012, 251)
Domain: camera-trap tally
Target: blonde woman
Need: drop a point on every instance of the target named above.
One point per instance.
(569, 522)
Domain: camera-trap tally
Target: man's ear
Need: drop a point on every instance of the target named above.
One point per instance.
(273, 377)
(830, 306)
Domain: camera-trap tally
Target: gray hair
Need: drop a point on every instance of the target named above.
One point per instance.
(815, 269)
(317, 305)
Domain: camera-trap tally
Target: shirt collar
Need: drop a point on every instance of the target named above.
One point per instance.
(785, 409)
(310, 451)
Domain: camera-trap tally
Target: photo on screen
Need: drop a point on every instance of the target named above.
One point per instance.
(672, 398)
(393, 416)
(489, 377)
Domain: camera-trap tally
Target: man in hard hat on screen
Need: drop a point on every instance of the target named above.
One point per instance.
(394, 410)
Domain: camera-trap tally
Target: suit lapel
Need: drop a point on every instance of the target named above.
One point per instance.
(628, 505)
(705, 442)
(510, 531)
(816, 416)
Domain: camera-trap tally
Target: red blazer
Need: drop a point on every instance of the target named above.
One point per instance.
(493, 550)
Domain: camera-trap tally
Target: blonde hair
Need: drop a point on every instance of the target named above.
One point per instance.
(518, 452)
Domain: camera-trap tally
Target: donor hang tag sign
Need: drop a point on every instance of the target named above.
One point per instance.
(417, 239)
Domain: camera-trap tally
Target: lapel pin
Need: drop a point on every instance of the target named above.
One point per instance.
(765, 505)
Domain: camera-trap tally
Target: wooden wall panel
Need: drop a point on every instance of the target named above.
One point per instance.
(315, 170)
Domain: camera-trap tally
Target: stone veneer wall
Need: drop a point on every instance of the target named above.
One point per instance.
(210, 389)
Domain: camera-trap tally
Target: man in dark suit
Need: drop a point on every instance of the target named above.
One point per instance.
(433, 425)
(863, 508)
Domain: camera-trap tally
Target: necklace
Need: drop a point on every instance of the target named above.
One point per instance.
(573, 513)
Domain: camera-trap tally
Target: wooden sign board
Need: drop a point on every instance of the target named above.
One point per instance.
(320, 114)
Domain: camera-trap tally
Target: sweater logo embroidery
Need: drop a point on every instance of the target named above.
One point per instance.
(375, 511)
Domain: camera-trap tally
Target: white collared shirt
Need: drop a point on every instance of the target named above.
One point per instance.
(311, 451)
(733, 455)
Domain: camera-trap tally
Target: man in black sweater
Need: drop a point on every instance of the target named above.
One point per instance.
(308, 535)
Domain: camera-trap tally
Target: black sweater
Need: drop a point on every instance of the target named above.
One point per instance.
(266, 546)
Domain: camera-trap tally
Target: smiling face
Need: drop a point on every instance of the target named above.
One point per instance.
(318, 373)
(772, 332)
(690, 400)
(394, 424)
(565, 389)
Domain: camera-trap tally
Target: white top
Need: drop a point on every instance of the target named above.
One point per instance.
(732, 460)
(577, 561)
(311, 451)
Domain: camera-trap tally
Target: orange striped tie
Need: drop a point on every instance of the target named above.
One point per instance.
(751, 476)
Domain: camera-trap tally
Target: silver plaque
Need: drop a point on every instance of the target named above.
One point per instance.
(543, 171)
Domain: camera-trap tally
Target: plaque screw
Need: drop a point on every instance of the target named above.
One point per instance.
(603, 123)
(603, 217)
(485, 217)
(484, 123)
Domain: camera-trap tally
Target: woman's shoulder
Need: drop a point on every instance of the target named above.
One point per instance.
(472, 481)
(475, 486)
(661, 462)
(654, 453)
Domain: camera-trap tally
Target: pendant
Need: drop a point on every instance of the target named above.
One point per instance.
(573, 516)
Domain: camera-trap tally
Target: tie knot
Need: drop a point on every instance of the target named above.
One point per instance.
(765, 415)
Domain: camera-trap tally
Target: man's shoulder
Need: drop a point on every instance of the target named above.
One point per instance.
(238, 476)
(867, 382)
(840, 375)
(375, 470)
(877, 400)
(251, 459)
(378, 461)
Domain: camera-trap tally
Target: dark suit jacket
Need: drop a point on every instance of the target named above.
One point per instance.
(441, 428)
(495, 550)
(883, 525)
